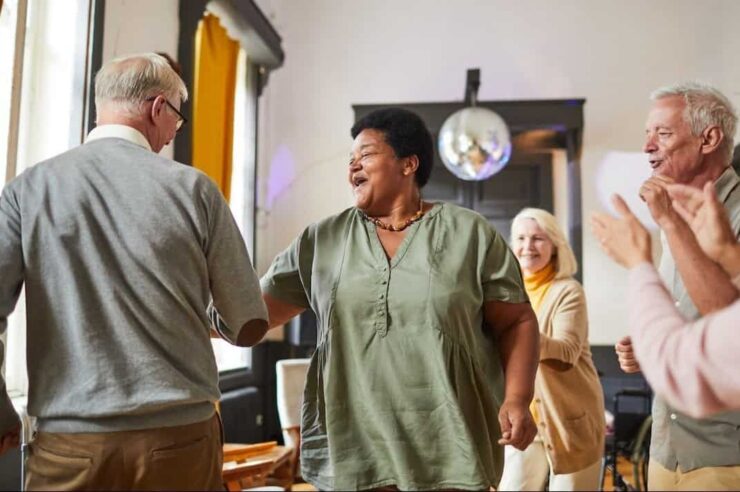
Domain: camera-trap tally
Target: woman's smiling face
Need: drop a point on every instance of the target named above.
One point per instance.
(531, 245)
(375, 172)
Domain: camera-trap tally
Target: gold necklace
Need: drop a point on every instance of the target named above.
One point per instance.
(390, 227)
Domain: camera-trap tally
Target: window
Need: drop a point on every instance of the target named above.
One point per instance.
(224, 115)
(257, 52)
(52, 97)
(49, 101)
(241, 197)
(8, 69)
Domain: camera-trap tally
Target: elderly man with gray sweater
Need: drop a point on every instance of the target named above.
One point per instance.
(121, 251)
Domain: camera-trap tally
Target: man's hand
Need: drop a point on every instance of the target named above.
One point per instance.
(706, 216)
(654, 192)
(11, 439)
(626, 356)
(517, 426)
(625, 239)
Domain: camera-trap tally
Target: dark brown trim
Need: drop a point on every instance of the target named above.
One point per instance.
(264, 42)
(255, 194)
(555, 114)
(191, 12)
(575, 210)
(95, 60)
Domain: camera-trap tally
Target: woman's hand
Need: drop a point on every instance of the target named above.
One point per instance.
(515, 327)
(625, 239)
(517, 426)
(706, 217)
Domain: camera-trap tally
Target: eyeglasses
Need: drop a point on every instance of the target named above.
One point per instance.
(181, 120)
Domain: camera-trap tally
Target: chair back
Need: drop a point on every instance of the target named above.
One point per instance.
(291, 379)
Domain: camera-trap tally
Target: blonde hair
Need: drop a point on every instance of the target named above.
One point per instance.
(129, 81)
(566, 264)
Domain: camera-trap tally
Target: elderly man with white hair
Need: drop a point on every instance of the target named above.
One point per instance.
(689, 141)
(121, 251)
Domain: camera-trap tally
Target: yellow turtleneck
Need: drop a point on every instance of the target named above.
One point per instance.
(537, 286)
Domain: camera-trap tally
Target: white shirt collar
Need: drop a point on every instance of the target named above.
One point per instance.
(119, 131)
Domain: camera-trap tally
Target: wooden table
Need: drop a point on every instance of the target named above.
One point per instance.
(248, 465)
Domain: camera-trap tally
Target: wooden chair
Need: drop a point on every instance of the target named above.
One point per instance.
(291, 379)
(260, 465)
(248, 466)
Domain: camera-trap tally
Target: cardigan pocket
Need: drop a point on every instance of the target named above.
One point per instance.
(579, 433)
(578, 425)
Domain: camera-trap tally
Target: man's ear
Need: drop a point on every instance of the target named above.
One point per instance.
(711, 138)
(157, 107)
(410, 164)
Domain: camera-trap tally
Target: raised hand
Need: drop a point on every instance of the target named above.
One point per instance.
(624, 239)
(654, 192)
(706, 217)
(626, 356)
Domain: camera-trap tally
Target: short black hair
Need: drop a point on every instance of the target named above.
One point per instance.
(406, 133)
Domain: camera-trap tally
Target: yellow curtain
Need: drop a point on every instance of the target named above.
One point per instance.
(213, 101)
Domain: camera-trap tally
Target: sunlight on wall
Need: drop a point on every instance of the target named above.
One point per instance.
(282, 174)
(139, 26)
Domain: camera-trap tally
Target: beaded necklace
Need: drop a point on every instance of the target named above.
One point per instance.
(390, 227)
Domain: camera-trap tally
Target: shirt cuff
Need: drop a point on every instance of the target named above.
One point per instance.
(643, 271)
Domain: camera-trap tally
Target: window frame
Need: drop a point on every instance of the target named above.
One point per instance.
(16, 89)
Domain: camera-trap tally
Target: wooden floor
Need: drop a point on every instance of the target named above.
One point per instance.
(624, 468)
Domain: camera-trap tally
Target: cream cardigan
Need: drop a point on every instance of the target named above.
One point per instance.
(568, 393)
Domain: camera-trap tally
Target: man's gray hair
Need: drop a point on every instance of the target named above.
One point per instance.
(705, 106)
(130, 80)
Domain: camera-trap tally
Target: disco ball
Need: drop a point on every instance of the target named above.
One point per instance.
(474, 143)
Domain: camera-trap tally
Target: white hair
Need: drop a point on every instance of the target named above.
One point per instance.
(129, 81)
(566, 265)
(705, 106)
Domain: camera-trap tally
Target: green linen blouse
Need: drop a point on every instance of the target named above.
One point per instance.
(405, 384)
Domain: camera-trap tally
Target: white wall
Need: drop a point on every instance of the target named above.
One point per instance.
(139, 26)
(613, 53)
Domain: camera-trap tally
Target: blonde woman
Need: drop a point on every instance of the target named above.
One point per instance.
(568, 405)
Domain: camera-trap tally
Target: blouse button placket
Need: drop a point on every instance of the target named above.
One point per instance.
(381, 321)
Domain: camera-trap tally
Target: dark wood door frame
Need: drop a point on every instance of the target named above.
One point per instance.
(266, 52)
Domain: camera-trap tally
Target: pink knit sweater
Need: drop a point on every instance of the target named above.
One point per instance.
(695, 365)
